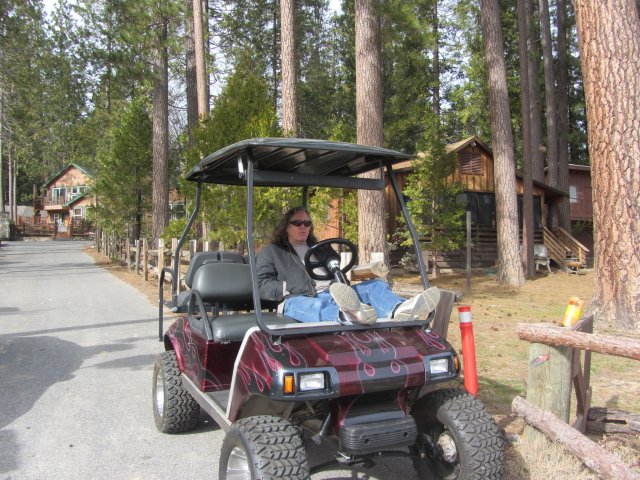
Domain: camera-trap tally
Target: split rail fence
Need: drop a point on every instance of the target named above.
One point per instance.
(147, 261)
(555, 363)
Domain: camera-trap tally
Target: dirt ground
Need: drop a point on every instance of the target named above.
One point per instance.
(502, 359)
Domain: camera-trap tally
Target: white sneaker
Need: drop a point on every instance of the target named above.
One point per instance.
(348, 301)
(418, 307)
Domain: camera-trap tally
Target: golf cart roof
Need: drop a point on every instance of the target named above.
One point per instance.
(292, 161)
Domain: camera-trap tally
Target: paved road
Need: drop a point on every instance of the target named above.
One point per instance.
(77, 347)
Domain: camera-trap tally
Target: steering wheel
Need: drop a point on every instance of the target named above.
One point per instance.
(331, 259)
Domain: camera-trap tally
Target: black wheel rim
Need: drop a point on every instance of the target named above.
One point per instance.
(442, 452)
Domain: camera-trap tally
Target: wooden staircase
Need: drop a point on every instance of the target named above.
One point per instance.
(562, 247)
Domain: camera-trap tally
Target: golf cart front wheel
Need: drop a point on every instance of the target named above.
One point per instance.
(263, 448)
(457, 438)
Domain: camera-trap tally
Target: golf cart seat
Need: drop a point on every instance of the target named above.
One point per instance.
(203, 258)
(223, 283)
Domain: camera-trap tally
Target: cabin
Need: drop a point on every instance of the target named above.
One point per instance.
(581, 204)
(66, 198)
(474, 170)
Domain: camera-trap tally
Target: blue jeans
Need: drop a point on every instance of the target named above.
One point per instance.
(322, 307)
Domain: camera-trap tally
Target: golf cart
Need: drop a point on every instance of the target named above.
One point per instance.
(273, 383)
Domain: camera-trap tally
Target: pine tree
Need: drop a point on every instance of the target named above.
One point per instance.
(123, 183)
(509, 269)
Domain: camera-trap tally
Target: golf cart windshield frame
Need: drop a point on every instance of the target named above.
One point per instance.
(356, 159)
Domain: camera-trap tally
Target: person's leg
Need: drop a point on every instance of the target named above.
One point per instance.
(320, 308)
(347, 299)
(389, 305)
(378, 294)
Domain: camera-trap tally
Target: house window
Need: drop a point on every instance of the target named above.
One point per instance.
(573, 194)
(177, 210)
(58, 195)
(78, 212)
(470, 163)
(77, 190)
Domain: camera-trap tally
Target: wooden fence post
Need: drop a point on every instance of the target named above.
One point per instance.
(549, 382)
(138, 247)
(160, 256)
(127, 246)
(145, 259)
(174, 245)
(205, 246)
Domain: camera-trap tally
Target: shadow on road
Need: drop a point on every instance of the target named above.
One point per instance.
(90, 326)
(28, 367)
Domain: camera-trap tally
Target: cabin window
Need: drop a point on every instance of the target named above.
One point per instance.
(573, 194)
(58, 195)
(77, 190)
(77, 212)
(470, 163)
(177, 210)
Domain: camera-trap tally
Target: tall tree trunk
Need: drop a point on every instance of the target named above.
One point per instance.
(372, 226)
(564, 216)
(436, 60)
(1, 145)
(527, 197)
(289, 78)
(160, 196)
(274, 57)
(609, 35)
(550, 103)
(191, 77)
(537, 159)
(14, 193)
(11, 185)
(436, 110)
(137, 225)
(509, 269)
(201, 71)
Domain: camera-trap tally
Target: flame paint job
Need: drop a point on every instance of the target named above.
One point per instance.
(366, 361)
(208, 364)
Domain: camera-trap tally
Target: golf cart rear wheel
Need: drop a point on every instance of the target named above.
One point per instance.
(263, 448)
(174, 409)
(457, 438)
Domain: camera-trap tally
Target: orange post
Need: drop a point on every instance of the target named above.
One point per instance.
(468, 350)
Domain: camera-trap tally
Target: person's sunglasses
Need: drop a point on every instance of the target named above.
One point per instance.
(299, 223)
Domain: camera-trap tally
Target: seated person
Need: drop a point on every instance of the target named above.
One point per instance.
(282, 277)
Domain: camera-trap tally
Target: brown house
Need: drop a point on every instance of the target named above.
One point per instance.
(474, 170)
(581, 204)
(66, 198)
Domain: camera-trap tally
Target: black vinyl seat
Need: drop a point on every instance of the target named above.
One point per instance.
(222, 281)
(204, 258)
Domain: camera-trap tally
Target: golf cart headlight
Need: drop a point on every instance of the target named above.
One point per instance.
(438, 366)
(311, 381)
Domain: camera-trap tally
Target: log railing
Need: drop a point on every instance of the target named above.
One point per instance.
(554, 365)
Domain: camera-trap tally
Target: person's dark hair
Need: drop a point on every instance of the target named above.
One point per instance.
(279, 235)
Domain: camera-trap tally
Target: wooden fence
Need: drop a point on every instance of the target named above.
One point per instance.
(147, 261)
(554, 365)
(79, 229)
